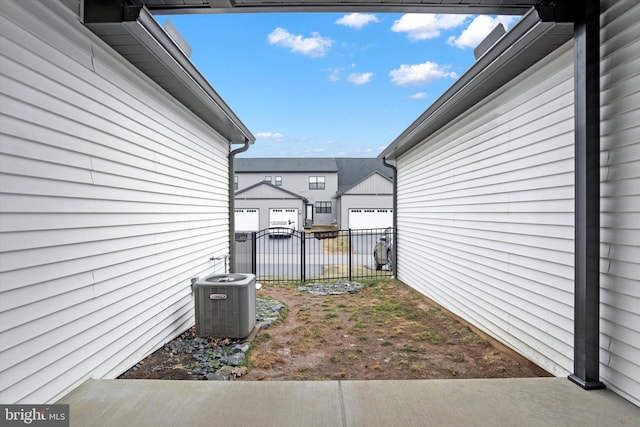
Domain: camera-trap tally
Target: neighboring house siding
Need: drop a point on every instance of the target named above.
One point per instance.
(620, 203)
(375, 184)
(299, 183)
(485, 214)
(109, 205)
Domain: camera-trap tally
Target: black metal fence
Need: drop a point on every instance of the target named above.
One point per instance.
(317, 255)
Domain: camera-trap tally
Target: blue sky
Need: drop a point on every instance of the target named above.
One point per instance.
(327, 84)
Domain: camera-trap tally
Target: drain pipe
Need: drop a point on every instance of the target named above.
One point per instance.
(395, 214)
(232, 204)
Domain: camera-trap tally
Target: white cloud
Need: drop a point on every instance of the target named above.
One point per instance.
(269, 135)
(419, 95)
(334, 74)
(314, 46)
(479, 28)
(419, 74)
(422, 26)
(360, 78)
(357, 20)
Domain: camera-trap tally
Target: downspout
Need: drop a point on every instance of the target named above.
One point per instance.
(395, 215)
(232, 204)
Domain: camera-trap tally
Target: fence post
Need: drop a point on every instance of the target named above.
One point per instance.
(349, 257)
(254, 252)
(303, 271)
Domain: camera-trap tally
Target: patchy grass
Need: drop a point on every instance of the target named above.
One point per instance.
(385, 331)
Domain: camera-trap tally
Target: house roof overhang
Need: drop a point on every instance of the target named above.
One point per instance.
(129, 27)
(503, 7)
(526, 43)
(136, 35)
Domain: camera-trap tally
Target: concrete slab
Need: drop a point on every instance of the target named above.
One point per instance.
(482, 402)
(122, 403)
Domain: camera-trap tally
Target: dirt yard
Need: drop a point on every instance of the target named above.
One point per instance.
(385, 331)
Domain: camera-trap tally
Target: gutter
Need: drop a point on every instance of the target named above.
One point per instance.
(135, 34)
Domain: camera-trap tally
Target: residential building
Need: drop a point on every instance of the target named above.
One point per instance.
(352, 193)
(108, 201)
(488, 213)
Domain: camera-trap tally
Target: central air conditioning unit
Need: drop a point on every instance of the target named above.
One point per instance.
(225, 305)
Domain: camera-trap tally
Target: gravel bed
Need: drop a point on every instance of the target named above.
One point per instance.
(222, 359)
(219, 358)
(331, 289)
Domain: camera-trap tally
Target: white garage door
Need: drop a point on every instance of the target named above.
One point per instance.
(289, 215)
(360, 219)
(247, 220)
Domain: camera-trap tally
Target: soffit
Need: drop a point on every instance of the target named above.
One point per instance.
(144, 43)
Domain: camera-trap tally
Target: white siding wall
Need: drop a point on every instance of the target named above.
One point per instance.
(485, 214)
(485, 210)
(109, 205)
(373, 185)
(620, 204)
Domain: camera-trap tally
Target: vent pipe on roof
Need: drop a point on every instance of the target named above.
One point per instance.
(489, 41)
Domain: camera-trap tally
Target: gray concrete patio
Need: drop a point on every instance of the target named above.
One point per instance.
(477, 402)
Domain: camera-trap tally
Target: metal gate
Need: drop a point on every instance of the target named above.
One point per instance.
(291, 255)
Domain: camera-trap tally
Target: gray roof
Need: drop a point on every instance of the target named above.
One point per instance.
(352, 171)
(268, 184)
(285, 164)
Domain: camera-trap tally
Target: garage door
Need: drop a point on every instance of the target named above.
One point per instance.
(360, 219)
(289, 216)
(247, 220)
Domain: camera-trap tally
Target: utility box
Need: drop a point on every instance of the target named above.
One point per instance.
(225, 305)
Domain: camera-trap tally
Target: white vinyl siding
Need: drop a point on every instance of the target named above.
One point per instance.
(374, 185)
(620, 200)
(109, 205)
(485, 214)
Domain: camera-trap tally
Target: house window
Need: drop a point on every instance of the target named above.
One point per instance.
(267, 179)
(235, 182)
(323, 207)
(316, 183)
(278, 181)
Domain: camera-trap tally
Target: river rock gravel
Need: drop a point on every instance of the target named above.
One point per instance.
(217, 358)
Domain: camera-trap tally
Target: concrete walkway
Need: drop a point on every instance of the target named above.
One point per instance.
(481, 402)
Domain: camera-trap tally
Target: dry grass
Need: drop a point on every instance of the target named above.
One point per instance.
(386, 331)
